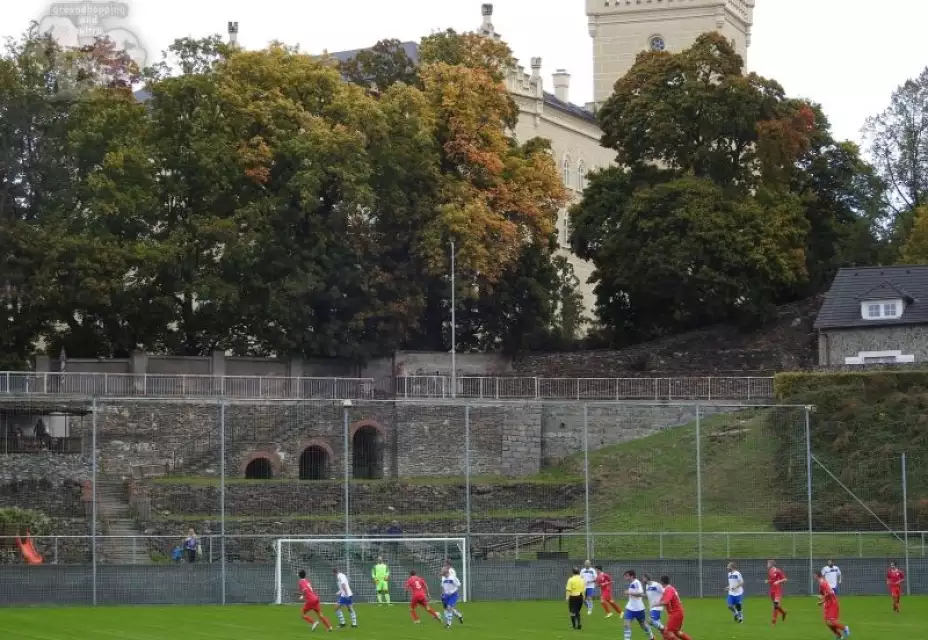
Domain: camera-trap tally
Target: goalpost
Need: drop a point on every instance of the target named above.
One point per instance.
(357, 556)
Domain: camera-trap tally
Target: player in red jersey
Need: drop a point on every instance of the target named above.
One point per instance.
(604, 582)
(829, 603)
(894, 580)
(776, 578)
(673, 630)
(311, 604)
(419, 597)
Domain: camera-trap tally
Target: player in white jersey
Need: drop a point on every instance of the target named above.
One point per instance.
(654, 592)
(450, 587)
(635, 609)
(345, 601)
(588, 573)
(735, 589)
(832, 574)
(451, 572)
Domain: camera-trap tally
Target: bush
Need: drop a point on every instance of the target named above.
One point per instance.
(15, 522)
(796, 385)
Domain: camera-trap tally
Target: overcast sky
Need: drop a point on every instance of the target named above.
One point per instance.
(848, 55)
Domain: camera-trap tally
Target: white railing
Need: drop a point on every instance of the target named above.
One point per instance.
(515, 388)
(410, 387)
(172, 385)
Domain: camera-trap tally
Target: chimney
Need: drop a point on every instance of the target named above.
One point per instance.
(562, 85)
(233, 33)
(536, 68)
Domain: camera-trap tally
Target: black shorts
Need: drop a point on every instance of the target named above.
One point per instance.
(575, 605)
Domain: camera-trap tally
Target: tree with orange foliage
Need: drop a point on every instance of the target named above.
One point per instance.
(729, 197)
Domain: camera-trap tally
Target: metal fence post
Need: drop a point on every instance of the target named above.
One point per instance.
(699, 495)
(222, 498)
(93, 496)
(808, 411)
(586, 480)
(905, 523)
(347, 478)
(467, 471)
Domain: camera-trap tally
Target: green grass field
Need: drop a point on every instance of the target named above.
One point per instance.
(868, 617)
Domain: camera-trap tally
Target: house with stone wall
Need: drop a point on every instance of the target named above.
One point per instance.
(875, 315)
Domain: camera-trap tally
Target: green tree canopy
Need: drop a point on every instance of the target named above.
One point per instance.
(731, 197)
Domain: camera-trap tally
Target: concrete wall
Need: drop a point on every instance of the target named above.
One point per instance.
(834, 345)
(489, 580)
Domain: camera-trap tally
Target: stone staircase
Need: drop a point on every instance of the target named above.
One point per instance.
(116, 520)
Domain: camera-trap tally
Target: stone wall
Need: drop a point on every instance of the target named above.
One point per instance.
(253, 540)
(54, 486)
(787, 343)
(411, 439)
(52, 469)
(562, 425)
(837, 344)
(320, 499)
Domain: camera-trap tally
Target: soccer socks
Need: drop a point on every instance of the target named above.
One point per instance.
(341, 617)
(778, 611)
(387, 597)
(415, 616)
(657, 624)
(354, 617)
(628, 634)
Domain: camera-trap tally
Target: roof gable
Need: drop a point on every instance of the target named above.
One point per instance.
(886, 290)
(852, 286)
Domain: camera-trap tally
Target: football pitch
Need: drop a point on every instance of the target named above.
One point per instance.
(868, 617)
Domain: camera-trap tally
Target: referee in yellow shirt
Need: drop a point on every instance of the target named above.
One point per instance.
(576, 587)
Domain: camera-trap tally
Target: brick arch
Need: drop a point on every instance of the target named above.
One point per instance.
(303, 445)
(271, 456)
(360, 424)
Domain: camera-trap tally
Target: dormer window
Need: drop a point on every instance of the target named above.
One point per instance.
(882, 309)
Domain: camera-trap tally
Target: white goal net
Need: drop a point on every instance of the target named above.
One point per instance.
(356, 557)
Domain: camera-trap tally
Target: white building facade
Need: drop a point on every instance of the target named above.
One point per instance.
(620, 30)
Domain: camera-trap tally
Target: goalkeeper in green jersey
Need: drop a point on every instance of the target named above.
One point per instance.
(380, 574)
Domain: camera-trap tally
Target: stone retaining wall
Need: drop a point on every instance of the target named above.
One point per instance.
(326, 498)
(411, 439)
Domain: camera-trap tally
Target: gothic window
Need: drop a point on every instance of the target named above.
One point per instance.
(656, 43)
(581, 176)
(567, 173)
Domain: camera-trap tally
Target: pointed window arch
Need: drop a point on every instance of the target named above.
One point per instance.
(581, 176)
(567, 172)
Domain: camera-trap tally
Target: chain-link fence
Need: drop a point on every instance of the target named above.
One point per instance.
(146, 500)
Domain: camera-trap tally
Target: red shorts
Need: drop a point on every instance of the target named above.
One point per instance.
(675, 621)
(895, 592)
(418, 600)
(832, 614)
(606, 595)
(776, 595)
(311, 605)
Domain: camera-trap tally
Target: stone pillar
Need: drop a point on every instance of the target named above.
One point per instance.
(138, 362)
(43, 364)
(217, 363)
(521, 454)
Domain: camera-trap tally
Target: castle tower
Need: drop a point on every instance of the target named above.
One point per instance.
(621, 29)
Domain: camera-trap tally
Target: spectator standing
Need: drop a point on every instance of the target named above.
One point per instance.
(191, 546)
